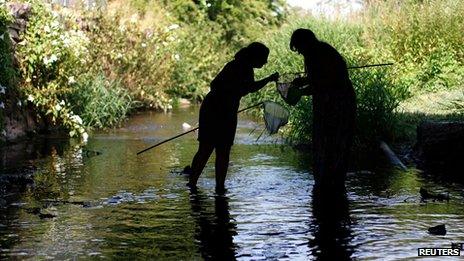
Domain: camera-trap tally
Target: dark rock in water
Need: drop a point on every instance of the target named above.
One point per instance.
(114, 200)
(35, 211)
(46, 215)
(38, 212)
(438, 230)
(2, 203)
(87, 204)
(425, 195)
(90, 153)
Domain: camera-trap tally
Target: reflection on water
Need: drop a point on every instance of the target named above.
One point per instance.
(214, 229)
(76, 203)
(331, 227)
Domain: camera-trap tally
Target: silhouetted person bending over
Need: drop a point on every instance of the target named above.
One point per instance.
(334, 108)
(218, 112)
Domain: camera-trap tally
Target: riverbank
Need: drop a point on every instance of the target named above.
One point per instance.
(78, 70)
(87, 67)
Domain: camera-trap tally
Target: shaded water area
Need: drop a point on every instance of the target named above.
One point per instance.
(86, 205)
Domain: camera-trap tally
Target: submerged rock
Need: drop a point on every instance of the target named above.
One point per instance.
(425, 195)
(90, 153)
(438, 230)
(46, 215)
(186, 126)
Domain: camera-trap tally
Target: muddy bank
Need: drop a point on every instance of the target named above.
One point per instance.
(439, 149)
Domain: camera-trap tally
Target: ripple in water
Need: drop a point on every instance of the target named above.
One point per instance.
(119, 205)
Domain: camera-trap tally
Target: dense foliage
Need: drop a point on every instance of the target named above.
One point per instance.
(423, 39)
(50, 55)
(83, 68)
(7, 70)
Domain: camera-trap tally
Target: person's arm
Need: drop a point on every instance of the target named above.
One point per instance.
(258, 85)
(299, 83)
(307, 91)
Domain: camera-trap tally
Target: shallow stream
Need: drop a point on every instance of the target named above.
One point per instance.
(103, 201)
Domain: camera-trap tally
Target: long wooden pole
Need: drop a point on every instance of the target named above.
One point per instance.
(370, 65)
(187, 132)
(392, 156)
(352, 67)
(252, 106)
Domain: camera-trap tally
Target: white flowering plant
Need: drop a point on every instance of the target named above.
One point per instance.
(50, 52)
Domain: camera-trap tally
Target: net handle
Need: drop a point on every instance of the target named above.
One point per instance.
(187, 132)
(349, 68)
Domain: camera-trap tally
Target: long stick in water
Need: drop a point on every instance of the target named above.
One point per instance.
(392, 156)
(187, 132)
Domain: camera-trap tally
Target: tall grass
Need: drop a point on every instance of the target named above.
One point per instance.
(100, 102)
(142, 60)
(424, 38)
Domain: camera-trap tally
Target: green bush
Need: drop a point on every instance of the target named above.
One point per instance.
(199, 56)
(100, 103)
(237, 21)
(162, 57)
(377, 98)
(423, 38)
(84, 68)
(141, 59)
(8, 74)
(147, 53)
(49, 56)
(210, 33)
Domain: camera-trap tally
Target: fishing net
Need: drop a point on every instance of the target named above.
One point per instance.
(289, 92)
(275, 116)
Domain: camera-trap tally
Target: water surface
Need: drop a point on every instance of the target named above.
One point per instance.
(114, 204)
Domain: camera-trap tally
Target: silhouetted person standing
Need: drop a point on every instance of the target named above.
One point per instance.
(218, 112)
(334, 108)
